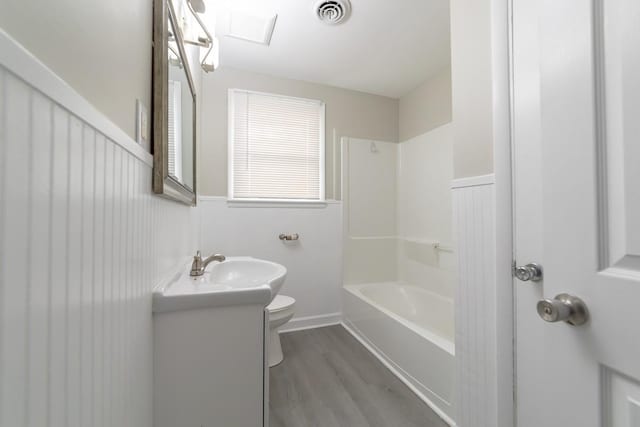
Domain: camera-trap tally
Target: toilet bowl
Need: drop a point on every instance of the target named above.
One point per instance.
(281, 310)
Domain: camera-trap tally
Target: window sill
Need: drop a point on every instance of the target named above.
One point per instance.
(265, 203)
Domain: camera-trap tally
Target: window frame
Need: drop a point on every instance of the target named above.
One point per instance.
(230, 153)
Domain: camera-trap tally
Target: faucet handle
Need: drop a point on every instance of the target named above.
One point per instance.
(196, 265)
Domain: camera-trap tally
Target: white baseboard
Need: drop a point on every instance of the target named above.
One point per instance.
(391, 367)
(311, 322)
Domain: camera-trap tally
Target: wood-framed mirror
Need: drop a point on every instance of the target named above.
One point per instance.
(174, 110)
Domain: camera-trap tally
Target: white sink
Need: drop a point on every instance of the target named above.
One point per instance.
(235, 281)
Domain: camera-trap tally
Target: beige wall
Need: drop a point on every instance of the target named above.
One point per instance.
(471, 73)
(349, 113)
(426, 107)
(101, 48)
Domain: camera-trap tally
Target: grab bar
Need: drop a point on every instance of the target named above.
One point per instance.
(443, 248)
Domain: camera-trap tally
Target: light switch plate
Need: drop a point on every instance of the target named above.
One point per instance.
(142, 125)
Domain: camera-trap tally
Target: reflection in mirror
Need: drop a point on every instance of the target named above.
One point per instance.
(180, 117)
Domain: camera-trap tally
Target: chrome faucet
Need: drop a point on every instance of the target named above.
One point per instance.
(199, 265)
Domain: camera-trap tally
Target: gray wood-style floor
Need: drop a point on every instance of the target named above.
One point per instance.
(328, 379)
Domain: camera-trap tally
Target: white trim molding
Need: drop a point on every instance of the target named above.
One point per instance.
(311, 322)
(32, 71)
(258, 203)
(473, 181)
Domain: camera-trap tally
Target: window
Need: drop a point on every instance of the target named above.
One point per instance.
(276, 147)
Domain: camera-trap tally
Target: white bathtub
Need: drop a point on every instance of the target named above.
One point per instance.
(410, 329)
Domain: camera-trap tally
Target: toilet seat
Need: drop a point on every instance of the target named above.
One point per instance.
(280, 303)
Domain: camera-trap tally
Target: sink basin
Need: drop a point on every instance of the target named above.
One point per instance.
(247, 273)
(235, 281)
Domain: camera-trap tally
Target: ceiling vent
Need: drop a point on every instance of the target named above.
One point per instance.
(333, 12)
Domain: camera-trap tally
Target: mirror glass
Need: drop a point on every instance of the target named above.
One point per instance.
(180, 138)
(174, 108)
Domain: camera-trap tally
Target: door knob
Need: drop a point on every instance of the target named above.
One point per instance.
(530, 272)
(563, 308)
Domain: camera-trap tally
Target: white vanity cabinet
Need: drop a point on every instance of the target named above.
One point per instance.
(209, 368)
(210, 340)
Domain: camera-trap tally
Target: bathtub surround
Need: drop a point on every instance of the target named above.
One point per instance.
(370, 223)
(83, 244)
(313, 262)
(425, 212)
(397, 209)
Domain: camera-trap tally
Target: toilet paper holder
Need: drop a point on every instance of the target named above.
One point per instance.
(289, 237)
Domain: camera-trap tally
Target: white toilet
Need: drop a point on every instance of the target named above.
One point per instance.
(281, 310)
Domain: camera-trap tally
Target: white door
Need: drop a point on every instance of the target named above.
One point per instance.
(577, 209)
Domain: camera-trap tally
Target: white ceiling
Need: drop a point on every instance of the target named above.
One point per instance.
(387, 47)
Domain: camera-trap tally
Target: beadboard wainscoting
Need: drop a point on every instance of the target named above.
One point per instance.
(82, 243)
(314, 263)
(475, 302)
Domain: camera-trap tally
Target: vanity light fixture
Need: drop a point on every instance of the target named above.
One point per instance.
(209, 60)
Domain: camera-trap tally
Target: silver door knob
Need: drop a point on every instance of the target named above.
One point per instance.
(563, 308)
(530, 272)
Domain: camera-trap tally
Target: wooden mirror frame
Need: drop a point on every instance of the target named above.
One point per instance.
(164, 184)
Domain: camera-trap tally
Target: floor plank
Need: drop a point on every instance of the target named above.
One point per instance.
(328, 379)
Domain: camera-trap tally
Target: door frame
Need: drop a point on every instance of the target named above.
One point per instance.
(485, 317)
(503, 149)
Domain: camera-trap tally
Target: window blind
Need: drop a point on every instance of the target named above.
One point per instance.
(276, 146)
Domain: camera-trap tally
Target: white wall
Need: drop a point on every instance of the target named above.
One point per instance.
(425, 212)
(82, 244)
(314, 263)
(102, 49)
(426, 107)
(472, 86)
